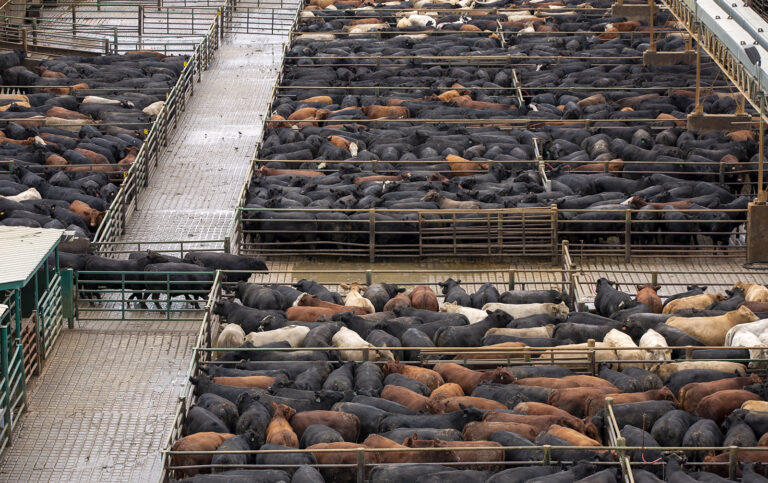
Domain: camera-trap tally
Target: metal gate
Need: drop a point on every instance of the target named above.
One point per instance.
(49, 315)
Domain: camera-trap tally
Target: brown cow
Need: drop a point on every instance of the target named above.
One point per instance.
(447, 390)
(93, 157)
(428, 377)
(390, 112)
(540, 422)
(348, 425)
(313, 314)
(63, 113)
(568, 382)
(479, 431)
(456, 403)
(407, 456)
(205, 441)
(743, 456)
(753, 292)
(399, 300)
(572, 436)
(262, 382)
(265, 171)
(573, 400)
(55, 160)
(648, 294)
(422, 297)
(494, 354)
(464, 167)
(614, 165)
(308, 300)
(469, 379)
(63, 91)
(91, 216)
(700, 302)
(323, 99)
(467, 101)
(720, 404)
(333, 459)
(468, 456)
(596, 403)
(540, 409)
(279, 431)
(412, 400)
(757, 306)
(637, 202)
(691, 394)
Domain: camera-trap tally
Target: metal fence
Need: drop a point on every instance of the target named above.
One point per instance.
(511, 232)
(142, 168)
(142, 296)
(584, 360)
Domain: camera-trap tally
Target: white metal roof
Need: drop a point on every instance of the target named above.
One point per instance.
(22, 250)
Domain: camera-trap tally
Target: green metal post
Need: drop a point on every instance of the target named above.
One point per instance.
(67, 296)
(17, 296)
(6, 397)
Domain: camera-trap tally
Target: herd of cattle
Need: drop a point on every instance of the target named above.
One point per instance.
(380, 109)
(301, 367)
(68, 141)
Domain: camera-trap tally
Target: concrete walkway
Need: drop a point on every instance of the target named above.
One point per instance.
(193, 193)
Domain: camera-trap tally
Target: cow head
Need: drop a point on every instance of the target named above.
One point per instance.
(432, 195)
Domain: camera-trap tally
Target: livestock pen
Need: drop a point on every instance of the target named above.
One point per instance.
(501, 222)
(360, 461)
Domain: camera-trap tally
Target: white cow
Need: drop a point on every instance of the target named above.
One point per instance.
(629, 352)
(154, 108)
(293, 334)
(104, 100)
(473, 315)
(355, 298)
(349, 338)
(519, 311)
(231, 336)
(750, 335)
(651, 338)
(30, 194)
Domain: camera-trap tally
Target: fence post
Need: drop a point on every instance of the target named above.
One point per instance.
(74, 19)
(371, 236)
(511, 280)
(627, 236)
(360, 466)
(140, 21)
(733, 462)
(68, 296)
(34, 31)
(24, 41)
(6, 399)
(553, 222)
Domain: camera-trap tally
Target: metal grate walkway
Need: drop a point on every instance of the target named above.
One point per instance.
(107, 397)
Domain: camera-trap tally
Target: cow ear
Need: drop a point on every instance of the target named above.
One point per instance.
(657, 288)
(344, 286)
(639, 287)
(401, 290)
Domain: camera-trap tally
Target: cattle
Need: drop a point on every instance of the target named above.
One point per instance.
(279, 430)
(205, 441)
(356, 299)
(232, 335)
(712, 330)
(423, 298)
(701, 301)
(524, 310)
(607, 299)
(469, 379)
(752, 291)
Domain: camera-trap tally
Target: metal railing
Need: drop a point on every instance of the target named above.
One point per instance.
(518, 232)
(146, 161)
(141, 296)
